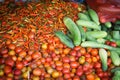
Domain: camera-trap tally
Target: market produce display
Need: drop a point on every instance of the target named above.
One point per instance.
(52, 41)
(108, 10)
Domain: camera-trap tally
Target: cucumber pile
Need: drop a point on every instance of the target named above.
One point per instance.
(95, 36)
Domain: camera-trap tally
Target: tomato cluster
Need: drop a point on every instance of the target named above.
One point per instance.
(30, 50)
(54, 60)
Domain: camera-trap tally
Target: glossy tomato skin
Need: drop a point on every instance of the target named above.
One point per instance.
(7, 69)
(94, 52)
(37, 72)
(9, 61)
(74, 64)
(66, 59)
(19, 65)
(113, 44)
(90, 77)
(3, 51)
(11, 46)
(79, 72)
(97, 65)
(18, 49)
(66, 70)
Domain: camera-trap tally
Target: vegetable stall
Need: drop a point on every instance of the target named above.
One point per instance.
(57, 40)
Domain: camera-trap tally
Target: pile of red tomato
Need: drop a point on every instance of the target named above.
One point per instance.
(24, 57)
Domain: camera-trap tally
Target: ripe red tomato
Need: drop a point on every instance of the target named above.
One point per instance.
(22, 54)
(73, 53)
(37, 72)
(18, 49)
(3, 51)
(97, 65)
(66, 59)
(11, 46)
(74, 64)
(9, 61)
(7, 69)
(65, 70)
(79, 72)
(113, 44)
(94, 52)
(17, 72)
(90, 77)
(19, 65)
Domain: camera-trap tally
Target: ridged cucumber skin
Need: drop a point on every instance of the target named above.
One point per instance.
(88, 24)
(94, 44)
(103, 57)
(64, 39)
(97, 34)
(83, 34)
(83, 16)
(73, 28)
(94, 16)
(115, 69)
(115, 58)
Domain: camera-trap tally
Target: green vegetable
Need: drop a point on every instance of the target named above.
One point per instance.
(108, 24)
(115, 34)
(115, 69)
(94, 16)
(65, 39)
(108, 37)
(86, 13)
(88, 24)
(97, 34)
(99, 45)
(83, 16)
(116, 78)
(101, 40)
(117, 22)
(104, 28)
(117, 27)
(103, 57)
(73, 28)
(69, 34)
(83, 34)
(89, 38)
(116, 75)
(118, 42)
(115, 58)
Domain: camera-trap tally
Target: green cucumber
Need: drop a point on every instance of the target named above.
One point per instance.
(83, 16)
(101, 40)
(73, 28)
(88, 24)
(118, 42)
(64, 39)
(108, 24)
(104, 28)
(116, 34)
(115, 58)
(89, 38)
(83, 34)
(103, 58)
(108, 37)
(117, 27)
(117, 22)
(99, 45)
(115, 69)
(97, 34)
(69, 34)
(94, 16)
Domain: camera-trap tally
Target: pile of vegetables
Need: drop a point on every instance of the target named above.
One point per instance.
(96, 35)
(52, 41)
